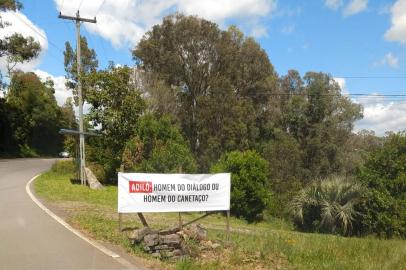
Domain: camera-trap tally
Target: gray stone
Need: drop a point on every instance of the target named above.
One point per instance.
(156, 255)
(92, 180)
(161, 247)
(139, 234)
(197, 232)
(177, 252)
(170, 239)
(151, 240)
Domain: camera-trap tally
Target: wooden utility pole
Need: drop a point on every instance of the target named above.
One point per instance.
(82, 156)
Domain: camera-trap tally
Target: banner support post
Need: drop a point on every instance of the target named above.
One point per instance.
(228, 225)
(180, 221)
(179, 215)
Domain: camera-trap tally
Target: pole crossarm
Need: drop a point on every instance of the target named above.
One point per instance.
(75, 132)
(76, 18)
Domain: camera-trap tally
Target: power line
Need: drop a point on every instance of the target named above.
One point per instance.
(330, 95)
(81, 2)
(38, 32)
(371, 77)
(98, 10)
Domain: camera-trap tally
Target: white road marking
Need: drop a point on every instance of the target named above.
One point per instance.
(76, 232)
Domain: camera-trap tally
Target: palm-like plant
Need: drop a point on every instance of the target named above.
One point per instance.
(327, 205)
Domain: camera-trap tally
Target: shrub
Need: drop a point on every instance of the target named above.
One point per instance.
(383, 206)
(326, 206)
(249, 186)
(158, 147)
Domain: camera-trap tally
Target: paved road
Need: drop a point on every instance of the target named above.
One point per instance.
(29, 238)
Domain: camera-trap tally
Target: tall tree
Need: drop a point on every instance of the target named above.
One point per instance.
(16, 48)
(89, 64)
(116, 105)
(321, 119)
(13, 49)
(222, 69)
(36, 115)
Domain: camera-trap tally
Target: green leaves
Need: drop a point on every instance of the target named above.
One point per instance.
(249, 185)
(158, 147)
(327, 206)
(384, 206)
(35, 115)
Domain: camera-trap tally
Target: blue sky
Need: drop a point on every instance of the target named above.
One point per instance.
(344, 38)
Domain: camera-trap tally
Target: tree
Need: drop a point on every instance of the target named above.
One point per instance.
(89, 64)
(321, 120)
(284, 155)
(383, 206)
(116, 105)
(68, 121)
(158, 146)
(36, 115)
(249, 186)
(16, 48)
(209, 66)
(327, 206)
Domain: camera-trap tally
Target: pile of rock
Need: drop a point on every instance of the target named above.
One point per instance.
(168, 243)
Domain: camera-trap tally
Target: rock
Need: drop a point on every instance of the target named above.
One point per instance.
(161, 247)
(197, 232)
(177, 252)
(138, 234)
(215, 246)
(92, 180)
(151, 240)
(156, 255)
(170, 239)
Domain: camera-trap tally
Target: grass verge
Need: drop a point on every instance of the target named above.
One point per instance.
(266, 245)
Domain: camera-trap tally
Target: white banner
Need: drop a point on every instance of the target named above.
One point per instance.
(148, 192)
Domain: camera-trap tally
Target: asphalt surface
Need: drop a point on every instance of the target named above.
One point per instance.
(29, 238)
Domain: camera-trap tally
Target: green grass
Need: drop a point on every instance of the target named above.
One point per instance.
(266, 245)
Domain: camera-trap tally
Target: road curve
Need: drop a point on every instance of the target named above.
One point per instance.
(29, 238)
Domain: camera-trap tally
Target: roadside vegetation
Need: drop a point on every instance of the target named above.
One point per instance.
(269, 244)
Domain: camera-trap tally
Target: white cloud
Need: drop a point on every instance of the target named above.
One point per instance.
(333, 4)
(355, 6)
(397, 31)
(61, 92)
(21, 24)
(124, 22)
(341, 82)
(351, 7)
(388, 60)
(382, 115)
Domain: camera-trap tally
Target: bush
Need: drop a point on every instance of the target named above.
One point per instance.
(249, 186)
(26, 151)
(158, 147)
(383, 207)
(326, 206)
